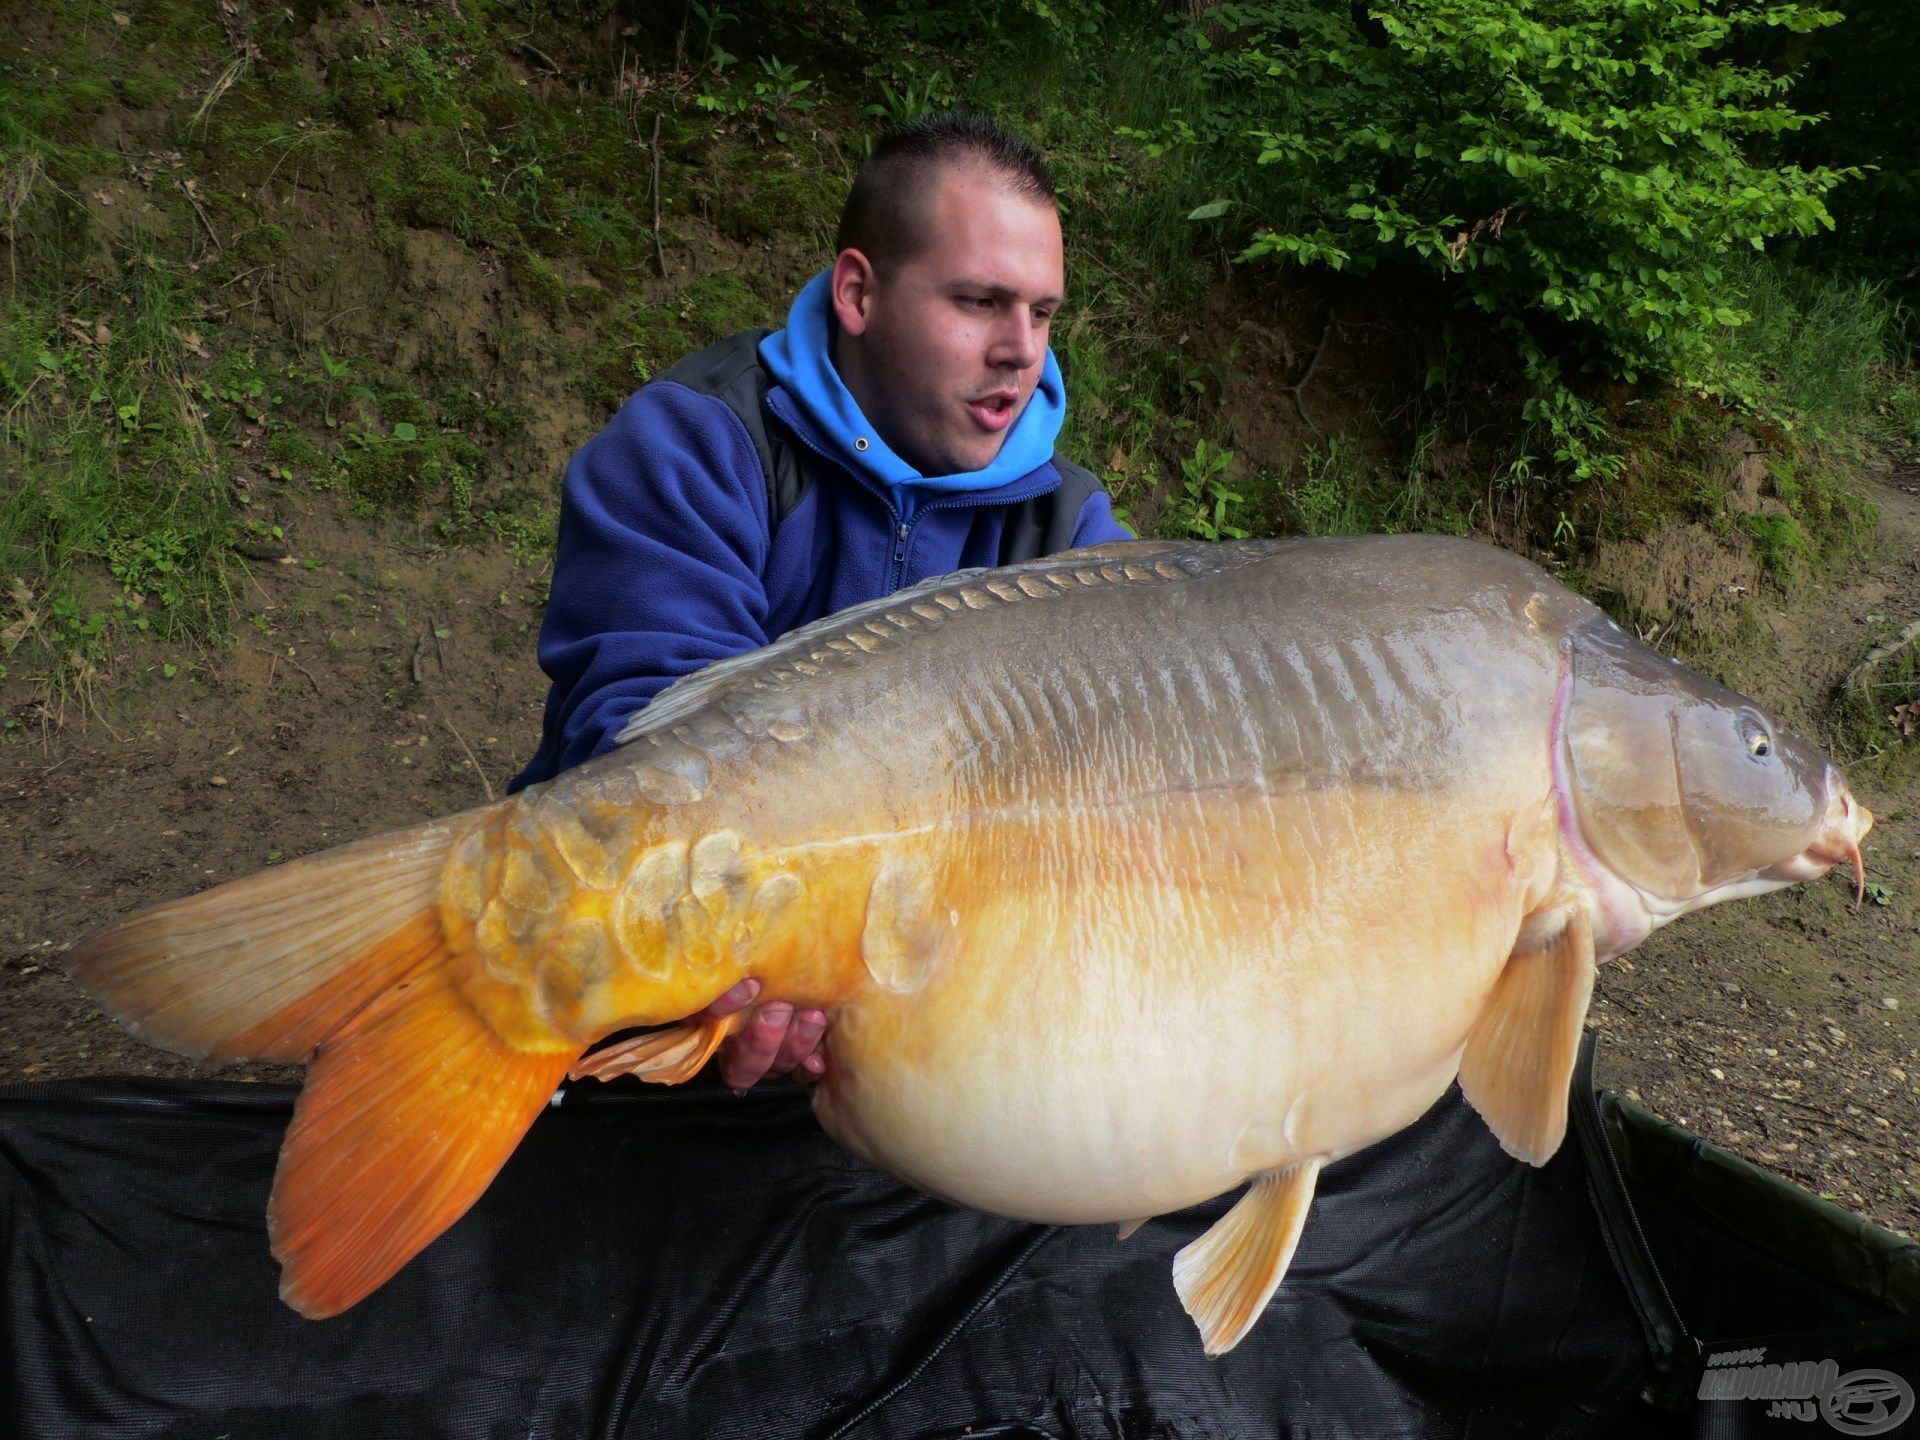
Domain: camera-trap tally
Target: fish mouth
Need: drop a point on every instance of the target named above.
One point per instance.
(1846, 825)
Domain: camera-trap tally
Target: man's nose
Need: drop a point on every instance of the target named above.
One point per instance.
(1018, 341)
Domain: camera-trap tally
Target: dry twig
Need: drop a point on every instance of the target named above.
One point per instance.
(1299, 385)
(276, 657)
(472, 759)
(186, 189)
(545, 59)
(659, 253)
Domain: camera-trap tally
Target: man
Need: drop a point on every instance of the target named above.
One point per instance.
(901, 426)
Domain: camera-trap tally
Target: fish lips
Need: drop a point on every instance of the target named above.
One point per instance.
(1846, 825)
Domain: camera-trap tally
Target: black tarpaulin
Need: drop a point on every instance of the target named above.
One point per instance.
(695, 1263)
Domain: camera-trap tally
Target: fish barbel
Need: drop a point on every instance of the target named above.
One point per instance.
(1124, 877)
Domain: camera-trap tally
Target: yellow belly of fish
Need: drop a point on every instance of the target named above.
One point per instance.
(1142, 1019)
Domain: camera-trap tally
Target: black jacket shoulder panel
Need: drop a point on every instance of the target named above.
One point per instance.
(731, 372)
(1045, 524)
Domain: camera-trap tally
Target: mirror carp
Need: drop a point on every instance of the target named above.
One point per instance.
(1125, 877)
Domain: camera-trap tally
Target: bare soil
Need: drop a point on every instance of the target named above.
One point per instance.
(372, 685)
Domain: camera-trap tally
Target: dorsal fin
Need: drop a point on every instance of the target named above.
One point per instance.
(846, 637)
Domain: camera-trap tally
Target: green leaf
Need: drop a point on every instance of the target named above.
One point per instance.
(1212, 210)
(405, 430)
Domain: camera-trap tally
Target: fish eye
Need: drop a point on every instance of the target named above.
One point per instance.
(1759, 742)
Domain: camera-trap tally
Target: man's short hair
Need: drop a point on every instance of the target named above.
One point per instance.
(885, 210)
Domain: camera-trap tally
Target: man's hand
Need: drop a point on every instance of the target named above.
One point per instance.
(774, 1041)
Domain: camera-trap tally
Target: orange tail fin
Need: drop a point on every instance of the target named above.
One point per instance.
(408, 1114)
(412, 1102)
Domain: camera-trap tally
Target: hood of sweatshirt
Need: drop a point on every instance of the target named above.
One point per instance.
(800, 359)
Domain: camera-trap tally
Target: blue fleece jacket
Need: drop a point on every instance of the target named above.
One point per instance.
(666, 562)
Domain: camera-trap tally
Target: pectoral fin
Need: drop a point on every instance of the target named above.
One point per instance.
(661, 1057)
(1519, 1059)
(1127, 1227)
(1226, 1277)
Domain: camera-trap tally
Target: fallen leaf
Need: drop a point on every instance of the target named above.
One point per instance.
(122, 20)
(18, 631)
(1117, 461)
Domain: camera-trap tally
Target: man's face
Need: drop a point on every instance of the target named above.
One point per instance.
(950, 345)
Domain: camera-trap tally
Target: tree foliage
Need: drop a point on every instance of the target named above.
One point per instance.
(1579, 171)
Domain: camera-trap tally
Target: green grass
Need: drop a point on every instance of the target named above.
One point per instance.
(1808, 355)
(125, 506)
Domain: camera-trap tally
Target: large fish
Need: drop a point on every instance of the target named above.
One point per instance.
(1124, 877)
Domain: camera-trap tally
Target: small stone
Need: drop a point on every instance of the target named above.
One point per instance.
(216, 780)
(1717, 1073)
(1838, 1035)
(1889, 1002)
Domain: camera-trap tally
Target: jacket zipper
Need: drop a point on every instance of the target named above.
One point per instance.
(902, 528)
(899, 554)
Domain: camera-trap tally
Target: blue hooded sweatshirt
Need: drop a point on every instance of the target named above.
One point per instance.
(667, 561)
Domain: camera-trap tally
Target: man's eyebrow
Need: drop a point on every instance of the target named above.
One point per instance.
(1003, 292)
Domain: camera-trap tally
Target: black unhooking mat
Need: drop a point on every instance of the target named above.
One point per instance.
(695, 1263)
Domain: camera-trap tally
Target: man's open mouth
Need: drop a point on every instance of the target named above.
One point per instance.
(994, 411)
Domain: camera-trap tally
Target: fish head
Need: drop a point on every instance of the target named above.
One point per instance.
(1677, 793)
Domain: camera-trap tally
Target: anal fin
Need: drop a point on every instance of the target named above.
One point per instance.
(1518, 1063)
(660, 1057)
(1226, 1277)
(408, 1113)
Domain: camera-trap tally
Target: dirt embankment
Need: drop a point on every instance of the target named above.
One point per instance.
(371, 687)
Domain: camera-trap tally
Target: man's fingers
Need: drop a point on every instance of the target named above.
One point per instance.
(750, 1054)
(774, 1041)
(738, 998)
(801, 1039)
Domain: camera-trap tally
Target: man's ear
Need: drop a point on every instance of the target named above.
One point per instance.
(851, 287)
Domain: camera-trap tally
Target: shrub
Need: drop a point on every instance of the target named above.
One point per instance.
(1580, 173)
